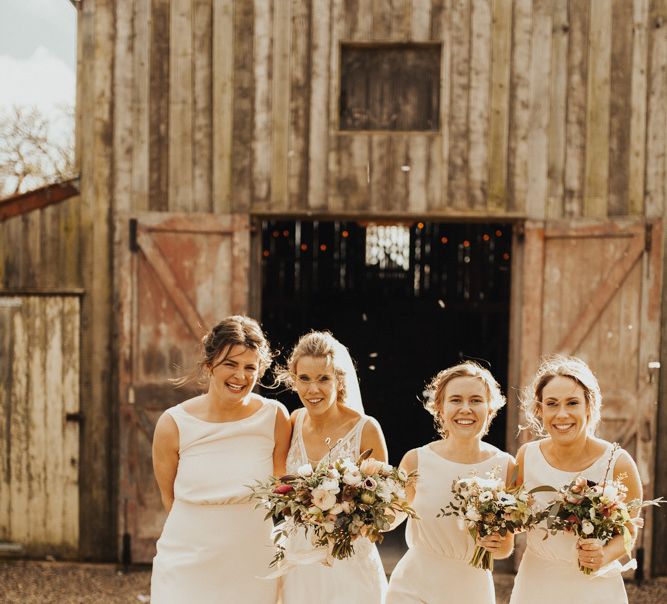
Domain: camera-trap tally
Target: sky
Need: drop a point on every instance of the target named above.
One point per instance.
(37, 53)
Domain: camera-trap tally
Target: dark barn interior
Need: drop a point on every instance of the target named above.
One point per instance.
(406, 299)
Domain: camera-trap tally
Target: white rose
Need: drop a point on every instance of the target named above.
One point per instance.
(392, 485)
(333, 473)
(348, 465)
(347, 506)
(587, 527)
(610, 492)
(352, 477)
(336, 509)
(473, 514)
(323, 499)
(329, 527)
(485, 496)
(383, 493)
(305, 470)
(329, 484)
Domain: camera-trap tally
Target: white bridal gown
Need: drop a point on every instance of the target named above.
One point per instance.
(215, 545)
(549, 570)
(358, 579)
(435, 569)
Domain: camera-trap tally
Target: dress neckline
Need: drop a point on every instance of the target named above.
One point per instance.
(572, 472)
(231, 421)
(340, 441)
(460, 463)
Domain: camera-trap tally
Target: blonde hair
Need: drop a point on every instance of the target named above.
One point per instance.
(563, 366)
(435, 391)
(318, 344)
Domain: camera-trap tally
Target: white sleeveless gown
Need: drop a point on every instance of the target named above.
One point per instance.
(215, 545)
(549, 571)
(435, 568)
(359, 579)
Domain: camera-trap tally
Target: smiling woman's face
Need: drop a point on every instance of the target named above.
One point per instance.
(465, 407)
(234, 377)
(564, 409)
(315, 383)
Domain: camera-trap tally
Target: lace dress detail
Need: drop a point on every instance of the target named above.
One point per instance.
(348, 446)
(360, 578)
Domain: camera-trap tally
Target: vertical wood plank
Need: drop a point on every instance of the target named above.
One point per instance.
(443, 28)
(299, 104)
(596, 187)
(158, 115)
(478, 111)
(382, 21)
(575, 130)
(420, 21)
(263, 72)
(123, 83)
(223, 103)
(54, 415)
(538, 143)
(202, 119)
(19, 431)
(282, 33)
(244, 104)
(501, 42)
(180, 107)
(558, 110)
(379, 167)
(458, 104)
(97, 521)
(638, 107)
(7, 310)
(620, 106)
(359, 20)
(71, 396)
(434, 174)
(140, 105)
(418, 174)
(519, 105)
(657, 111)
(319, 104)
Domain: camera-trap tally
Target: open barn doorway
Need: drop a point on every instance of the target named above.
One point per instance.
(406, 299)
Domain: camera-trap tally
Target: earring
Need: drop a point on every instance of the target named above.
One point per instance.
(445, 431)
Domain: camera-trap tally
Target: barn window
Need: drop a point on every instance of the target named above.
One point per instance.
(388, 246)
(390, 87)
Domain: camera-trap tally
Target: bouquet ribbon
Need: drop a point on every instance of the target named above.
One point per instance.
(293, 559)
(614, 568)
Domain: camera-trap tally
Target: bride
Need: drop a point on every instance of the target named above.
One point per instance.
(331, 423)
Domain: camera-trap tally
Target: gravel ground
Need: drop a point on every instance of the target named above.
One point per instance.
(70, 583)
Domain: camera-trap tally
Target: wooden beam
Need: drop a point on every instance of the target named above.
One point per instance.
(38, 199)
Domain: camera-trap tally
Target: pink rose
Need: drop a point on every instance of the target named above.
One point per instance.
(282, 489)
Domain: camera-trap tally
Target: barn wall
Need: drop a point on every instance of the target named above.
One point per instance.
(548, 108)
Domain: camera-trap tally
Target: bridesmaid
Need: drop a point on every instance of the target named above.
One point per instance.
(206, 450)
(322, 373)
(563, 405)
(463, 400)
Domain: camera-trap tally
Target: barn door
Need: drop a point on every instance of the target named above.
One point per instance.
(177, 275)
(39, 424)
(593, 290)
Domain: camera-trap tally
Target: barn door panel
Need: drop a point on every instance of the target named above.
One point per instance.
(177, 276)
(39, 424)
(593, 290)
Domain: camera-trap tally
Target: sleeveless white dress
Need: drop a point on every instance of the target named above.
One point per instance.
(215, 545)
(435, 568)
(359, 579)
(549, 571)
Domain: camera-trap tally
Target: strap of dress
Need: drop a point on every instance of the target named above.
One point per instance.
(356, 435)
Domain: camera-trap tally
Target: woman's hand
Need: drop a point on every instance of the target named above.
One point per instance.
(496, 544)
(591, 554)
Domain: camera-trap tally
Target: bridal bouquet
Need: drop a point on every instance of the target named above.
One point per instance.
(335, 503)
(486, 506)
(594, 510)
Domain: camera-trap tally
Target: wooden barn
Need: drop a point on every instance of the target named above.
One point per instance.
(430, 179)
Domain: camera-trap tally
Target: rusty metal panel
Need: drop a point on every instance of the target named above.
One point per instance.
(590, 289)
(176, 276)
(39, 424)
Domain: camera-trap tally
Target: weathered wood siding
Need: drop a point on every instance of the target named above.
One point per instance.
(548, 108)
(39, 386)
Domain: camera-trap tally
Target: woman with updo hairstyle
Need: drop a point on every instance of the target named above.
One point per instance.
(215, 545)
(463, 400)
(562, 406)
(331, 423)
